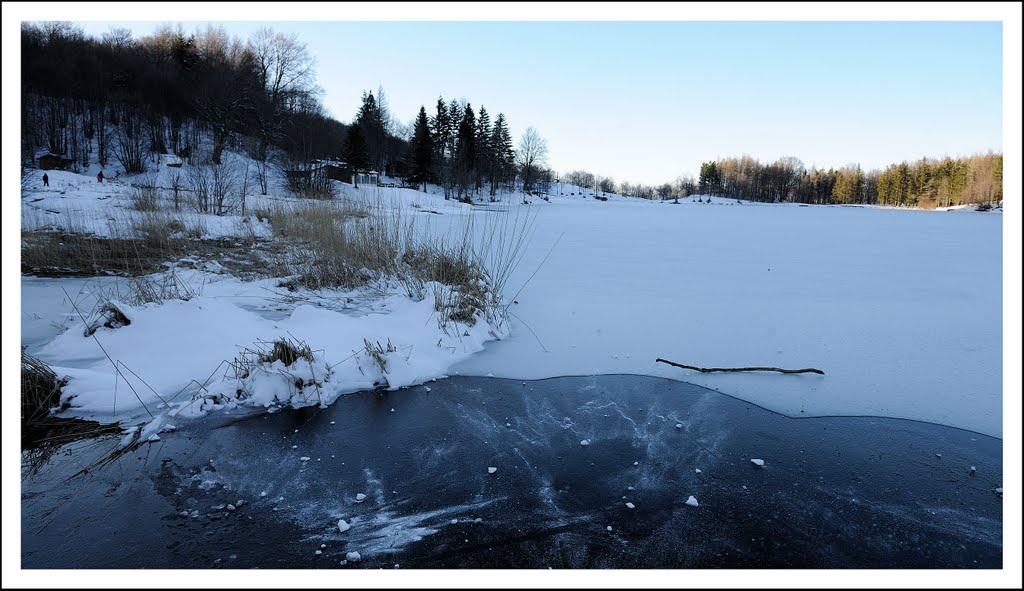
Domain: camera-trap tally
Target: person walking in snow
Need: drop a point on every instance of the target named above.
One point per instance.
(99, 177)
(46, 180)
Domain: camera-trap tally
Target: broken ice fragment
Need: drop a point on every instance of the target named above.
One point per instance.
(585, 442)
(343, 525)
(758, 463)
(360, 498)
(692, 501)
(353, 557)
(631, 505)
(491, 469)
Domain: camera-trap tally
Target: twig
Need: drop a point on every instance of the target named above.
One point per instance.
(116, 368)
(735, 369)
(544, 260)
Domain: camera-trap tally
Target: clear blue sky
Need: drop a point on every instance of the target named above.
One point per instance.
(648, 101)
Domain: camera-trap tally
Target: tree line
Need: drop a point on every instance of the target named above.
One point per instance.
(926, 183)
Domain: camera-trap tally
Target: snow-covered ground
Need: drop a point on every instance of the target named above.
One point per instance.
(901, 309)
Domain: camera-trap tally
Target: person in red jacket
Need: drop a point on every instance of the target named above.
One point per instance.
(99, 177)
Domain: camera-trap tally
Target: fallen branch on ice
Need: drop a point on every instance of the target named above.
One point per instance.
(734, 369)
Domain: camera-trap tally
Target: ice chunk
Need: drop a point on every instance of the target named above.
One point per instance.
(636, 463)
(631, 505)
(697, 470)
(679, 425)
(332, 422)
(491, 469)
(318, 552)
(609, 528)
(360, 498)
(231, 507)
(353, 557)
(757, 462)
(585, 442)
(304, 458)
(692, 501)
(343, 525)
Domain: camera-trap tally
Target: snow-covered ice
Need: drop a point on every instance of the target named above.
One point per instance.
(841, 280)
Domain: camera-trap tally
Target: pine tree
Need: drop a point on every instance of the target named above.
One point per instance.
(502, 154)
(356, 154)
(483, 147)
(441, 130)
(422, 149)
(370, 119)
(465, 153)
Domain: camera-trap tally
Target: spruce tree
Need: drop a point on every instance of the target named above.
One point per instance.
(502, 153)
(465, 153)
(440, 131)
(356, 154)
(422, 150)
(483, 147)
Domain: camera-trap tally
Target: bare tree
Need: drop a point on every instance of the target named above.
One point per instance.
(531, 155)
(286, 69)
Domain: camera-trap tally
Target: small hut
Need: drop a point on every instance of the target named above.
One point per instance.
(50, 161)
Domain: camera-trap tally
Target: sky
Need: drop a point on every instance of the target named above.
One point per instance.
(649, 101)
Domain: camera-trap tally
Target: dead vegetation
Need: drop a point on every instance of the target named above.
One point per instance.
(286, 350)
(42, 433)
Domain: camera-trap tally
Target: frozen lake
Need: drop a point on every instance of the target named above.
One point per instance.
(241, 490)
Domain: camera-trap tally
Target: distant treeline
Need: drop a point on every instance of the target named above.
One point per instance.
(924, 183)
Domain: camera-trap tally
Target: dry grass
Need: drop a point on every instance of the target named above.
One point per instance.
(286, 350)
(40, 389)
(349, 244)
(377, 352)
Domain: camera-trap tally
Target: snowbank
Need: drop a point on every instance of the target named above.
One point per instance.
(185, 354)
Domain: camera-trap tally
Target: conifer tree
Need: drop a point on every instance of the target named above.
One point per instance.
(483, 147)
(465, 154)
(422, 150)
(502, 154)
(356, 154)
